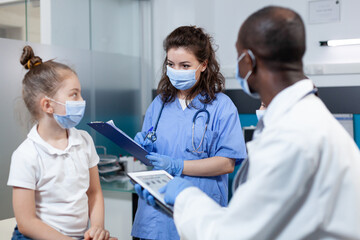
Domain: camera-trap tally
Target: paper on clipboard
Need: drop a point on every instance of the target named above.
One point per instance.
(109, 130)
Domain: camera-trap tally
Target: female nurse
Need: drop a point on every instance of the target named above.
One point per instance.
(191, 128)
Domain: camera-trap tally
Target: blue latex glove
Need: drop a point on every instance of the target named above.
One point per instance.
(144, 194)
(163, 162)
(173, 188)
(146, 143)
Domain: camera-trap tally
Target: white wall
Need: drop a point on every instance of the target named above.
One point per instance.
(222, 19)
(12, 132)
(115, 26)
(118, 214)
(70, 23)
(107, 26)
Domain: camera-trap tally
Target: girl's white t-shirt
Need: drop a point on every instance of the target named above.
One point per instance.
(60, 179)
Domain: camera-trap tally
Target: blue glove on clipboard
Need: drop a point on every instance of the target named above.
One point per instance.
(109, 130)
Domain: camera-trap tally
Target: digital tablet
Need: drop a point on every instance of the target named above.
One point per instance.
(153, 181)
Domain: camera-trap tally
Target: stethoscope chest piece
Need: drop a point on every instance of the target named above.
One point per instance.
(151, 136)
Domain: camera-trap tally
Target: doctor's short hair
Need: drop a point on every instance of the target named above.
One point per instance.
(43, 78)
(276, 35)
(200, 44)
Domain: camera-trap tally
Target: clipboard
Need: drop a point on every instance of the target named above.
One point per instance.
(109, 130)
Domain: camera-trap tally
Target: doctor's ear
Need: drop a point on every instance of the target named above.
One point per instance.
(46, 106)
(204, 66)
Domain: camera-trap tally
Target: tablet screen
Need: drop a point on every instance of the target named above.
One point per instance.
(153, 181)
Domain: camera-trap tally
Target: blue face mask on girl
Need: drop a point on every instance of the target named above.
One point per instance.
(243, 81)
(182, 79)
(74, 113)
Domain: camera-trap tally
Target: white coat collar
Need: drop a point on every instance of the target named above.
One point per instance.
(287, 98)
(74, 139)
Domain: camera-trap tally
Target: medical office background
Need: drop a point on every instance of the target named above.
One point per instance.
(116, 48)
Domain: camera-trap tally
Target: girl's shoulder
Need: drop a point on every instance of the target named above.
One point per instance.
(82, 136)
(26, 151)
(81, 133)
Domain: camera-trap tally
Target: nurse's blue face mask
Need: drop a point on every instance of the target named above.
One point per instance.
(74, 113)
(243, 81)
(182, 79)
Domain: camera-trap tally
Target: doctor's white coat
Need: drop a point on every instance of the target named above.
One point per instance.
(303, 180)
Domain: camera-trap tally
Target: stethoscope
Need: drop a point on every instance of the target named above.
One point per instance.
(151, 135)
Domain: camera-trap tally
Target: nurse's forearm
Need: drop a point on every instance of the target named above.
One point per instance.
(206, 167)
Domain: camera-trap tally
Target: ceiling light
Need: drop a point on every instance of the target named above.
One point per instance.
(340, 42)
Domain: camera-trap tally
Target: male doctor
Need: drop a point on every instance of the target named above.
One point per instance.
(303, 179)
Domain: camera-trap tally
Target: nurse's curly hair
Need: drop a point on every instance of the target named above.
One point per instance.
(199, 43)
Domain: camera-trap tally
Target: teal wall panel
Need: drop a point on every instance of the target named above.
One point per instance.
(357, 129)
(248, 120)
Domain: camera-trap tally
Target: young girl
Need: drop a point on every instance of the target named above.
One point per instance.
(192, 129)
(56, 188)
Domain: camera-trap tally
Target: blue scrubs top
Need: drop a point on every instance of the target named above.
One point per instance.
(223, 138)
